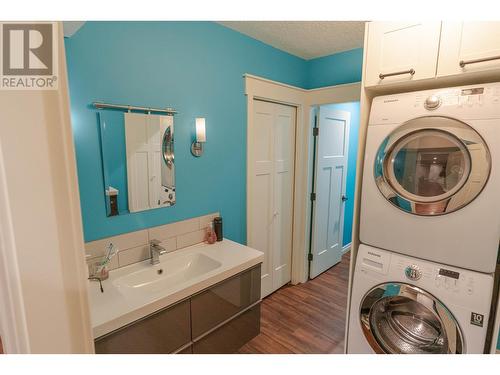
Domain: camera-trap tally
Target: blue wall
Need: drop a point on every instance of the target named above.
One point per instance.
(337, 69)
(197, 68)
(353, 109)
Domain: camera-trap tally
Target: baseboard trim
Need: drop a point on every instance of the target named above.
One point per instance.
(346, 248)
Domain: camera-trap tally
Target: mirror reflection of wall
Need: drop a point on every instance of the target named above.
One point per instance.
(138, 161)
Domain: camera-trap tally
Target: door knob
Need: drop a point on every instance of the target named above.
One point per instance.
(344, 198)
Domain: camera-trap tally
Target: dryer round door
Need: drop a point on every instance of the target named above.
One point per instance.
(432, 165)
(398, 318)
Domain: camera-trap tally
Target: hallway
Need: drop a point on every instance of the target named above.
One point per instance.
(305, 318)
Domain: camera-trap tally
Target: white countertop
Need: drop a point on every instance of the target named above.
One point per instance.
(111, 310)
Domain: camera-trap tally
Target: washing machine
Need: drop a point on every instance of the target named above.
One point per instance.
(404, 305)
(431, 177)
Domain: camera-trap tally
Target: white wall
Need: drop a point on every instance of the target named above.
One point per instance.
(41, 241)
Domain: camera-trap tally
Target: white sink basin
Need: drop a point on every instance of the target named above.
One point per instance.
(165, 275)
(140, 289)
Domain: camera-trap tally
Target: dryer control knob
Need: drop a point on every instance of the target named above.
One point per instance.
(432, 102)
(413, 272)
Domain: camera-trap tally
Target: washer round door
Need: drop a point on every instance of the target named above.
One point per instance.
(398, 318)
(432, 165)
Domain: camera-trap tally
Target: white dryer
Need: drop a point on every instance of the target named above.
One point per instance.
(431, 177)
(404, 305)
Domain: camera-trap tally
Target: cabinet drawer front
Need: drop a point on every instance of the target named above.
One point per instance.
(220, 302)
(401, 51)
(163, 332)
(231, 336)
(186, 350)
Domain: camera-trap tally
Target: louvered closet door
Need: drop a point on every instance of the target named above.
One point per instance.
(271, 149)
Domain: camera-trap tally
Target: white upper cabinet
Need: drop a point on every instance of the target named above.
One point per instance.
(401, 52)
(468, 47)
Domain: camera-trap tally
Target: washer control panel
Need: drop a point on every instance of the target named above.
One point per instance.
(446, 279)
(453, 286)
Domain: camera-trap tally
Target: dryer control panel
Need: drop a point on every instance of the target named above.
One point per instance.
(466, 102)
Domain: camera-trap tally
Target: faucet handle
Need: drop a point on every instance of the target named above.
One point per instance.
(154, 242)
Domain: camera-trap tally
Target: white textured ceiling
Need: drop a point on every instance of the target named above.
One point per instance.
(306, 39)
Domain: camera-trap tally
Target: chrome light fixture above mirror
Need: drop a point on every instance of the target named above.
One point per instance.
(201, 137)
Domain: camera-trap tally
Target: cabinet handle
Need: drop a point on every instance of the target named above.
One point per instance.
(409, 71)
(462, 63)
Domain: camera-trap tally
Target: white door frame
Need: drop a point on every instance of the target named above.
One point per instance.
(13, 329)
(304, 100)
(42, 260)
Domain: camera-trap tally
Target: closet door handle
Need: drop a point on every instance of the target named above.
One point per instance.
(344, 198)
(462, 63)
(409, 71)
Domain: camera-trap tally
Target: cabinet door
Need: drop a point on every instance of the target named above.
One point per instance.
(231, 336)
(224, 300)
(160, 333)
(401, 51)
(468, 47)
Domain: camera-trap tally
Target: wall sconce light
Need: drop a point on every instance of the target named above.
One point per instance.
(201, 137)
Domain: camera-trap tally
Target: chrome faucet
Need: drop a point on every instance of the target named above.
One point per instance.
(155, 250)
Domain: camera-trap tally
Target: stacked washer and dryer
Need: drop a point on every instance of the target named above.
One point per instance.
(429, 223)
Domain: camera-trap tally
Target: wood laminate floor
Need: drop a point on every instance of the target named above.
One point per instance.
(305, 318)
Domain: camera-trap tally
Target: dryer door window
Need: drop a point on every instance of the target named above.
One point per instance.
(404, 319)
(432, 165)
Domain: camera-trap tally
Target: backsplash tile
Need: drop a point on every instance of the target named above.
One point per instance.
(121, 242)
(174, 229)
(205, 220)
(134, 255)
(133, 247)
(189, 239)
(170, 244)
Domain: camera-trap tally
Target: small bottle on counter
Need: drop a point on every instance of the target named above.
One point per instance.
(210, 236)
(218, 228)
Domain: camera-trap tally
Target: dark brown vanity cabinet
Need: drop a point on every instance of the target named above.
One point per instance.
(229, 337)
(162, 332)
(219, 319)
(222, 301)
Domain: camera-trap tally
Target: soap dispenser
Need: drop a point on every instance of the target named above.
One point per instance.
(210, 236)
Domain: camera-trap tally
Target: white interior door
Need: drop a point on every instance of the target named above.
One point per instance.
(155, 125)
(284, 151)
(330, 183)
(143, 144)
(136, 141)
(271, 148)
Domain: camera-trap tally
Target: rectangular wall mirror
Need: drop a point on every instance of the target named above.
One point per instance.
(138, 161)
